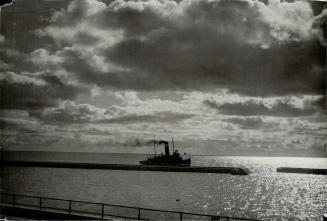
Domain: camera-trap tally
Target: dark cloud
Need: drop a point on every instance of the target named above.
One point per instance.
(245, 46)
(12, 59)
(247, 123)
(252, 108)
(321, 103)
(81, 64)
(21, 19)
(23, 85)
(8, 125)
(71, 113)
(163, 117)
(19, 91)
(5, 2)
(187, 61)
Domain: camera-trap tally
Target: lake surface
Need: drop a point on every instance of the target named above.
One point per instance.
(263, 194)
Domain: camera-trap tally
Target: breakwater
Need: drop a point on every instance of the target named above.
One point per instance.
(302, 170)
(165, 168)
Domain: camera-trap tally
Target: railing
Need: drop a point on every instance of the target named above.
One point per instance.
(102, 210)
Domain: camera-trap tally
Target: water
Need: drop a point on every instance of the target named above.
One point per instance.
(264, 194)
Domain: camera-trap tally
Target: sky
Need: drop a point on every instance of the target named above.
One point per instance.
(225, 77)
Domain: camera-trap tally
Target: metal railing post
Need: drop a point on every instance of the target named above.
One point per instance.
(102, 210)
(139, 214)
(70, 207)
(40, 203)
(14, 199)
(180, 216)
(215, 218)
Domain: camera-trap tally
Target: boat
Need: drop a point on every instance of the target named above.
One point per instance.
(174, 159)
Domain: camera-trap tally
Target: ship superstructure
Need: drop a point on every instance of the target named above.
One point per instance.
(174, 159)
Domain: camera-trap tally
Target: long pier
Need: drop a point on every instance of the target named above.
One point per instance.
(302, 170)
(226, 170)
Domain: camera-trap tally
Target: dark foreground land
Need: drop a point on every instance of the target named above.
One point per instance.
(34, 214)
(227, 170)
(44, 208)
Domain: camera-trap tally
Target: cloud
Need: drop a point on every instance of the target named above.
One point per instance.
(4, 65)
(279, 108)
(25, 87)
(164, 117)
(321, 103)
(140, 118)
(24, 78)
(34, 91)
(16, 125)
(42, 59)
(4, 3)
(247, 123)
(165, 45)
(75, 26)
(70, 113)
(10, 58)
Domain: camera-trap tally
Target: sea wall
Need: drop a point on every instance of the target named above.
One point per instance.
(302, 170)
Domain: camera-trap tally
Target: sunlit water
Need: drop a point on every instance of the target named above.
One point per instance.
(263, 194)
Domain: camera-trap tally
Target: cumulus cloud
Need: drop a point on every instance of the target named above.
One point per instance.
(165, 117)
(18, 126)
(75, 26)
(129, 124)
(4, 65)
(34, 91)
(280, 108)
(43, 59)
(25, 87)
(24, 78)
(247, 123)
(201, 44)
(70, 113)
(10, 59)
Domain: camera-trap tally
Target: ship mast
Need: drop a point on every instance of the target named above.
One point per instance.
(172, 139)
(154, 147)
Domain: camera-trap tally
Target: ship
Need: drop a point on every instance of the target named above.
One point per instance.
(174, 159)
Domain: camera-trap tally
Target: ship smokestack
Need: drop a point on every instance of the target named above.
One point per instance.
(166, 146)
